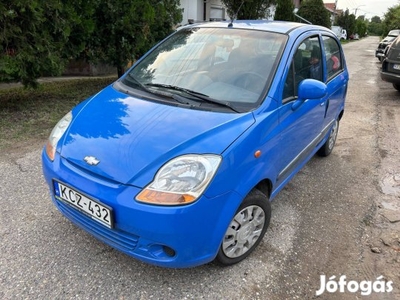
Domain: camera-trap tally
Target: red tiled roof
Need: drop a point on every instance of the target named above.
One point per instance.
(330, 6)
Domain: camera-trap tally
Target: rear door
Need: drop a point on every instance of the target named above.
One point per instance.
(336, 78)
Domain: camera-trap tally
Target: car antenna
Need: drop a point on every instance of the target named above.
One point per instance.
(235, 16)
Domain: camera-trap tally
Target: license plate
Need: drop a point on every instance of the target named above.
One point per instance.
(93, 209)
(396, 67)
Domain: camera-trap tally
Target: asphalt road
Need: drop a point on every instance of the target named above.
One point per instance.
(325, 222)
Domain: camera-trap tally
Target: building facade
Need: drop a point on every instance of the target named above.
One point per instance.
(211, 10)
(202, 10)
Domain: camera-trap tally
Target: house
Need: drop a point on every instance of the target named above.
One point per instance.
(333, 11)
(297, 3)
(201, 10)
(213, 10)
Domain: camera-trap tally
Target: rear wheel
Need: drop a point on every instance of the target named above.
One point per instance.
(327, 148)
(246, 229)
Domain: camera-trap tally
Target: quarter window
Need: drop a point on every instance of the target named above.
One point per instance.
(334, 60)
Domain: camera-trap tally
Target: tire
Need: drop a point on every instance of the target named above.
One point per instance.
(327, 147)
(396, 86)
(246, 230)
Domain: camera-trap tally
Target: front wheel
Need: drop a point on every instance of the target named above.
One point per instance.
(246, 229)
(327, 148)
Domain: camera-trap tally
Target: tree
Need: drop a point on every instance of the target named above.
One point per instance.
(36, 37)
(315, 12)
(361, 27)
(347, 21)
(122, 28)
(284, 10)
(167, 16)
(248, 9)
(375, 26)
(125, 29)
(391, 19)
(376, 19)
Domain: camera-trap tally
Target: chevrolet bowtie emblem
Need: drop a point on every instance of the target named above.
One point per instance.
(91, 160)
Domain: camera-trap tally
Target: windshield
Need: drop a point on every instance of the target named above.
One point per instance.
(389, 39)
(230, 66)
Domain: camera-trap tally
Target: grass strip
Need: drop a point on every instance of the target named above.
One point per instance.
(28, 115)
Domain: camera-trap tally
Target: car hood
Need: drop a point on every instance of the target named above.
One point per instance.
(132, 138)
(388, 39)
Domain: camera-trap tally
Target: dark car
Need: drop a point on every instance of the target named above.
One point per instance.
(380, 51)
(391, 64)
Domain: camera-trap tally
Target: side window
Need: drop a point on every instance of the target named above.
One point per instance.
(306, 63)
(334, 63)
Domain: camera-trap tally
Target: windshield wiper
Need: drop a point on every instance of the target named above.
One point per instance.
(144, 87)
(138, 83)
(196, 95)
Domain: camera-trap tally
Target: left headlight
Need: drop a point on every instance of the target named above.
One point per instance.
(181, 180)
(56, 134)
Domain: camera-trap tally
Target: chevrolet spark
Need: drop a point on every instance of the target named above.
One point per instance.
(175, 163)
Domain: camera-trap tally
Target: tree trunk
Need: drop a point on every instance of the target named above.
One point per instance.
(120, 70)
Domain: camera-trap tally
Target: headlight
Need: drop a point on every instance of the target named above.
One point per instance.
(182, 180)
(56, 134)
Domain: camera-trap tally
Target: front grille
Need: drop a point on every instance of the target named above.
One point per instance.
(382, 46)
(113, 237)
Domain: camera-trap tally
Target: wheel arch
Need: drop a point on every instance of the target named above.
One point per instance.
(340, 115)
(265, 187)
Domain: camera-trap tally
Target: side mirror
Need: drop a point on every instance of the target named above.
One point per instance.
(309, 89)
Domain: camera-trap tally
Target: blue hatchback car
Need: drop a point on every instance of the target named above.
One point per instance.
(177, 161)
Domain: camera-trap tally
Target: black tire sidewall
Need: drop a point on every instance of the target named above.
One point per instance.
(256, 198)
(325, 150)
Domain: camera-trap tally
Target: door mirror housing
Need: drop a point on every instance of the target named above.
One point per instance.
(310, 89)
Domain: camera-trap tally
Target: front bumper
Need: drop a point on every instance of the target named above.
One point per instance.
(177, 237)
(390, 77)
(380, 53)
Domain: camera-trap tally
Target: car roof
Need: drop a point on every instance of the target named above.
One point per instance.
(264, 25)
(394, 32)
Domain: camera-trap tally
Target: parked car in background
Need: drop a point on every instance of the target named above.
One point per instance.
(340, 32)
(380, 51)
(355, 36)
(391, 64)
(176, 162)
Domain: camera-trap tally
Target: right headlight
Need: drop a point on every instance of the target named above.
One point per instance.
(56, 134)
(181, 180)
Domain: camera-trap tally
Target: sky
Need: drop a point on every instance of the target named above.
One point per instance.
(369, 8)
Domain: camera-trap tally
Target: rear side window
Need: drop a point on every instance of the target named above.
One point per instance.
(333, 56)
